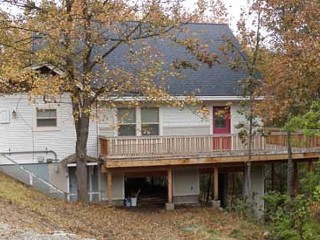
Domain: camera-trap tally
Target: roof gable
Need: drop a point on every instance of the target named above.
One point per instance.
(218, 80)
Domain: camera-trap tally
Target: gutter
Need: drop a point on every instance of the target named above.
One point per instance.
(180, 97)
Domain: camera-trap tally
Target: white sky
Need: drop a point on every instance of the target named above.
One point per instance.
(233, 7)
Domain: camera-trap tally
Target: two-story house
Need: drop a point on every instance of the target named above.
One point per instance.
(146, 141)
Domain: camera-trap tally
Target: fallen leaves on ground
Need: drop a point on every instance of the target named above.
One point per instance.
(23, 207)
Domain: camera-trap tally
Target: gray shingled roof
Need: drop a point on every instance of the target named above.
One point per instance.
(219, 80)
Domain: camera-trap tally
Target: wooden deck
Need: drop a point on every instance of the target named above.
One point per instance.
(152, 151)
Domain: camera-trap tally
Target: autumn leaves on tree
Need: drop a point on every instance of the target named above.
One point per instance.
(77, 37)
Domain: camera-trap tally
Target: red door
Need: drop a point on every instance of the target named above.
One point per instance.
(221, 126)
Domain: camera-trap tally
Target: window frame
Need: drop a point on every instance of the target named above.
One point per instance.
(150, 123)
(46, 128)
(127, 124)
(138, 121)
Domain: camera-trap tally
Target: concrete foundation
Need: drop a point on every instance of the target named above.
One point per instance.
(215, 203)
(117, 202)
(186, 199)
(257, 188)
(169, 206)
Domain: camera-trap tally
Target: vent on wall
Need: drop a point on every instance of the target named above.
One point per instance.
(40, 159)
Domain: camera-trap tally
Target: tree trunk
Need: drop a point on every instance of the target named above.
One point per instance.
(82, 130)
(290, 180)
(247, 182)
(247, 170)
(208, 188)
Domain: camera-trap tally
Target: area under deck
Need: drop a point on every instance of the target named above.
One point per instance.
(212, 152)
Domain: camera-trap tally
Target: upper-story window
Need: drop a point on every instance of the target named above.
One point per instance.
(138, 121)
(149, 121)
(47, 117)
(127, 121)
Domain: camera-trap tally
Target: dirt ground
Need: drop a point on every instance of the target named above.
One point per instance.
(27, 214)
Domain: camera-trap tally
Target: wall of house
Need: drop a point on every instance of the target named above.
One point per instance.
(117, 188)
(186, 185)
(184, 122)
(236, 117)
(174, 121)
(20, 133)
(107, 121)
(58, 176)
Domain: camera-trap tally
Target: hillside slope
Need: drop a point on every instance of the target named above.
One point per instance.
(23, 210)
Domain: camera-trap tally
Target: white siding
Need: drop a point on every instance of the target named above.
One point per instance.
(21, 134)
(107, 121)
(174, 121)
(187, 122)
(183, 122)
(236, 117)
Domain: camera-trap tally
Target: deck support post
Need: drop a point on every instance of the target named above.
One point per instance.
(109, 181)
(216, 184)
(310, 166)
(272, 177)
(216, 202)
(295, 178)
(170, 205)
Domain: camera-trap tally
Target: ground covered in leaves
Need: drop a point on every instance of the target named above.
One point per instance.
(23, 210)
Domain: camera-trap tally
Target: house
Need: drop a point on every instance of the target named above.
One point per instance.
(127, 144)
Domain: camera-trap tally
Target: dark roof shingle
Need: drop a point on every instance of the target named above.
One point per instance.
(218, 80)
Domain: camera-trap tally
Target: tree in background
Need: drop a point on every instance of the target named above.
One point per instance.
(14, 51)
(291, 80)
(248, 57)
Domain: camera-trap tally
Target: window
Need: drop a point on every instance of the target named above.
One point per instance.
(138, 121)
(46, 117)
(4, 116)
(149, 121)
(127, 122)
(220, 122)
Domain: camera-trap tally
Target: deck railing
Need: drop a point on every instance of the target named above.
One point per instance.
(148, 146)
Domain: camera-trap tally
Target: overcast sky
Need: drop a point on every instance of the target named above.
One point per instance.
(233, 7)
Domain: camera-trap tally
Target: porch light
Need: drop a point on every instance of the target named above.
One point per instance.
(14, 113)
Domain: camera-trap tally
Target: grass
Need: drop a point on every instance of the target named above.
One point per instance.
(23, 207)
